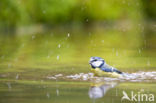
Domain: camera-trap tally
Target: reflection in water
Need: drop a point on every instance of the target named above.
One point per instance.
(98, 90)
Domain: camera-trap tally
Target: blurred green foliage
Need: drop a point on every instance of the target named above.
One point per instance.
(54, 12)
(150, 8)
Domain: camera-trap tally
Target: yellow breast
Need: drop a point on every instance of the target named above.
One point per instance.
(99, 72)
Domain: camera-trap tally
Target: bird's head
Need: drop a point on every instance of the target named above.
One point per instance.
(96, 62)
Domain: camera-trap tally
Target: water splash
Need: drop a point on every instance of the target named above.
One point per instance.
(132, 77)
(82, 76)
(58, 75)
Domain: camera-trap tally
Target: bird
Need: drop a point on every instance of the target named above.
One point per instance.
(102, 69)
(98, 90)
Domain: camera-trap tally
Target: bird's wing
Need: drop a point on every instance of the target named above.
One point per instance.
(108, 68)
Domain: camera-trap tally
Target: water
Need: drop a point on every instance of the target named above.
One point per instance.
(53, 67)
(61, 88)
(131, 77)
(69, 91)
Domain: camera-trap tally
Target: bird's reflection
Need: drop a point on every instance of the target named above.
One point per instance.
(98, 90)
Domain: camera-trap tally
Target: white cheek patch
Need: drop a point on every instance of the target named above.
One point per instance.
(97, 63)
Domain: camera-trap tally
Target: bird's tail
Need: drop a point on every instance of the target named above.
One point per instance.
(117, 71)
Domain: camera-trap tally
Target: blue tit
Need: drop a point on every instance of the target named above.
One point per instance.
(100, 68)
(98, 90)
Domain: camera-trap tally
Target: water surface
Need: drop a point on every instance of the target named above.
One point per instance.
(30, 66)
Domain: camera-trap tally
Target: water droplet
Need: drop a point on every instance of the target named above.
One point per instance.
(57, 92)
(68, 35)
(58, 57)
(86, 20)
(17, 76)
(117, 54)
(139, 51)
(48, 95)
(102, 41)
(9, 85)
(44, 11)
(48, 56)
(59, 46)
(9, 65)
(33, 37)
(116, 92)
(148, 63)
(113, 49)
(73, 68)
